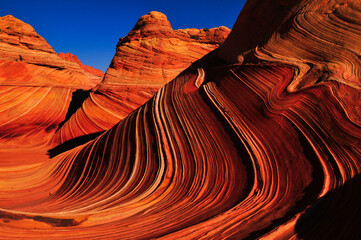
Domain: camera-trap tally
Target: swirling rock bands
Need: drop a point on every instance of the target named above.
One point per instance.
(237, 151)
(198, 163)
(151, 55)
(102, 110)
(31, 113)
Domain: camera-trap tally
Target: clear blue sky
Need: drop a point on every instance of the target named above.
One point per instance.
(90, 29)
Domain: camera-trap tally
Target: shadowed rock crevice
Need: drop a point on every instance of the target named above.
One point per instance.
(310, 192)
(78, 97)
(55, 222)
(334, 216)
(73, 143)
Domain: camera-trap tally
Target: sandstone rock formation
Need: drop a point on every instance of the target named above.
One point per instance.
(36, 85)
(151, 55)
(72, 58)
(27, 59)
(267, 146)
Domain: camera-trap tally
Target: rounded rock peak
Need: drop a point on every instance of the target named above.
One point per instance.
(11, 25)
(153, 19)
(157, 16)
(10, 19)
(7, 17)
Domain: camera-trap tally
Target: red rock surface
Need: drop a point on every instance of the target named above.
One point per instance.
(27, 59)
(72, 58)
(265, 147)
(151, 55)
(36, 85)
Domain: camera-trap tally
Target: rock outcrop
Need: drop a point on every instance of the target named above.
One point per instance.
(72, 58)
(267, 146)
(27, 59)
(151, 55)
(36, 85)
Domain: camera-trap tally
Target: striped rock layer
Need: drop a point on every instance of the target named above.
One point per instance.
(26, 59)
(75, 59)
(267, 146)
(36, 85)
(151, 55)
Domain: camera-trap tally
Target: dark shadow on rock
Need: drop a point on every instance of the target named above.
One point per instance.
(72, 143)
(78, 97)
(310, 193)
(337, 215)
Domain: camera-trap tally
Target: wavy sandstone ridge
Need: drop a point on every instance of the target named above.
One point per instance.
(151, 55)
(238, 151)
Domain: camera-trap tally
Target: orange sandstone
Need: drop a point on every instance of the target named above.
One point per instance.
(151, 55)
(36, 85)
(72, 58)
(267, 146)
(27, 59)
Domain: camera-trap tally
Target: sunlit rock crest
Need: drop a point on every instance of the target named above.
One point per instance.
(71, 57)
(27, 59)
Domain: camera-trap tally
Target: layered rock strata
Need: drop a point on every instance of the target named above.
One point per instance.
(72, 58)
(265, 147)
(151, 55)
(36, 85)
(27, 59)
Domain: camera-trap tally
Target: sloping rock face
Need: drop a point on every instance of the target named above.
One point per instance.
(36, 85)
(30, 115)
(27, 59)
(265, 147)
(72, 58)
(151, 55)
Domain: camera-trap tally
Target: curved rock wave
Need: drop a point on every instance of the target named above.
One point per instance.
(260, 148)
(199, 160)
(31, 113)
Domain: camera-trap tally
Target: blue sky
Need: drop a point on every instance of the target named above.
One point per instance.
(91, 29)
